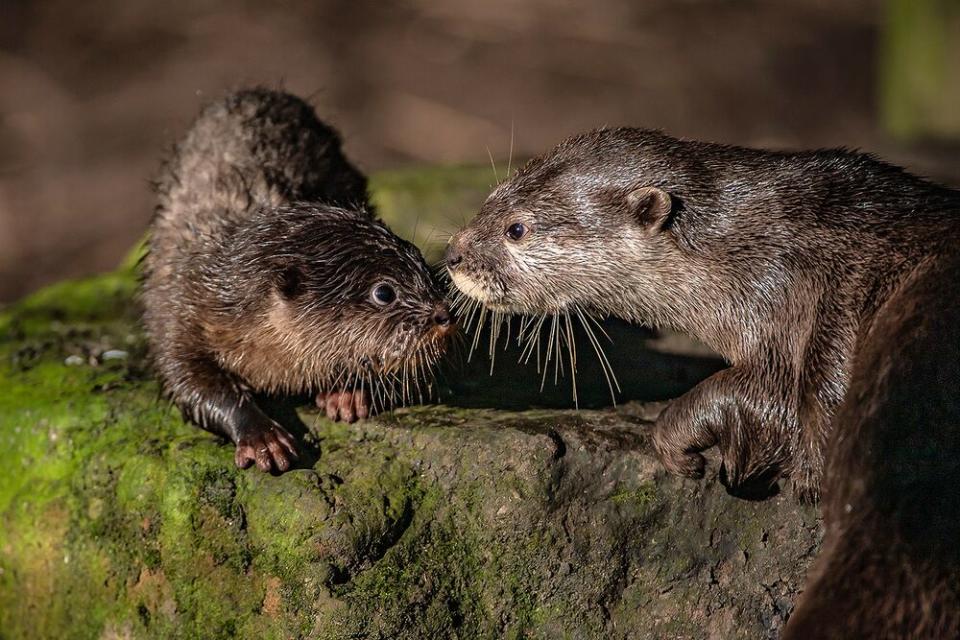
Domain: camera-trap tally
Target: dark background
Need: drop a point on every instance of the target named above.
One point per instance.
(91, 93)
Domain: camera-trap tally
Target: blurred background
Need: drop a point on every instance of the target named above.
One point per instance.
(93, 92)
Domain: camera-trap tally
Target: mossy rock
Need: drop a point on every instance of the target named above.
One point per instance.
(459, 520)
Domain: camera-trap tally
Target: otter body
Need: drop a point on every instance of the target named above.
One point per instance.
(826, 279)
(778, 261)
(268, 272)
(890, 562)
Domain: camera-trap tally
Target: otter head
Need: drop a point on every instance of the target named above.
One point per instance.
(345, 303)
(576, 227)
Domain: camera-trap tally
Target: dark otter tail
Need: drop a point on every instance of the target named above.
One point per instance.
(890, 566)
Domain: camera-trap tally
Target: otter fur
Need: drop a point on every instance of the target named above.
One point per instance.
(268, 272)
(828, 280)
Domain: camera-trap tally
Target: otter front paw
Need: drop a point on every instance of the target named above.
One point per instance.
(746, 470)
(348, 406)
(678, 445)
(268, 445)
(733, 412)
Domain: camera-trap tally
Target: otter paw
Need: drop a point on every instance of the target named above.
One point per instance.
(678, 453)
(270, 447)
(806, 487)
(348, 406)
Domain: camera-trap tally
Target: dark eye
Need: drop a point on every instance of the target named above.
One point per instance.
(383, 294)
(517, 230)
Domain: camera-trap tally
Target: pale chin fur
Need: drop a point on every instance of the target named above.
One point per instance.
(469, 286)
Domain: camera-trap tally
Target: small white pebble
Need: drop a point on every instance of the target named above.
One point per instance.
(848, 507)
(113, 354)
(73, 361)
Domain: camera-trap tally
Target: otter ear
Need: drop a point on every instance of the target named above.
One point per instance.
(289, 281)
(650, 206)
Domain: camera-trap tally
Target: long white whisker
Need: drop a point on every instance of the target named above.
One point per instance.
(605, 366)
(546, 363)
(476, 334)
(572, 348)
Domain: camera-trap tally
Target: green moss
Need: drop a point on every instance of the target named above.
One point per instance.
(643, 497)
(433, 558)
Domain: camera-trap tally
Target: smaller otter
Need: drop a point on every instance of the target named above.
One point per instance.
(268, 272)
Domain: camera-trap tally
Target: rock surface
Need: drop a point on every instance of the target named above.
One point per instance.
(450, 521)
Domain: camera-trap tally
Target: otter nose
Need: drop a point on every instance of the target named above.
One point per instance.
(441, 316)
(454, 256)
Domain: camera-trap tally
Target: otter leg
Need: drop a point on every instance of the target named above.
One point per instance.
(218, 403)
(348, 406)
(806, 467)
(737, 410)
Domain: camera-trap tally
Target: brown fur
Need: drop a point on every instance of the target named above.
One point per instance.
(890, 563)
(264, 258)
(829, 280)
(776, 260)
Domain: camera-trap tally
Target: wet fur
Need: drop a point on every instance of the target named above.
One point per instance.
(262, 255)
(829, 280)
(776, 260)
(890, 562)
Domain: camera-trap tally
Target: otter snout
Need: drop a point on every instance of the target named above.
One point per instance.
(454, 254)
(441, 316)
(441, 320)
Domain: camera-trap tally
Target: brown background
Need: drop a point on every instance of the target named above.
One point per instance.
(92, 92)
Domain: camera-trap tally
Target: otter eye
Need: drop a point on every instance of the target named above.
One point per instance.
(383, 294)
(517, 230)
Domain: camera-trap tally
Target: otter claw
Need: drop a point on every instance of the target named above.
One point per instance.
(270, 448)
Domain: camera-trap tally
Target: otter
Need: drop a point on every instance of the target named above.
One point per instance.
(828, 281)
(890, 562)
(268, 272)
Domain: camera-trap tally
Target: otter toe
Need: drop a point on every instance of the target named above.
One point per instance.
(361, 405)
(243, 456)
(348, 406)
(270, 448)
(688, 464)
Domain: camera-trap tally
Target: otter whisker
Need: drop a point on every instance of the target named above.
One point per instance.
(525, 322)
(416, 225)
(550, 343)
(476, 334)
(493, 165)
(599, 326)
(495, 323)
(558, 367)
(510, 155)
(601, 356)
(572, 349)
(533, 340)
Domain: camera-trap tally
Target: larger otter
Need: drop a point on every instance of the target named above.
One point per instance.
(890, 563)
(268, 272)
(820, 276)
